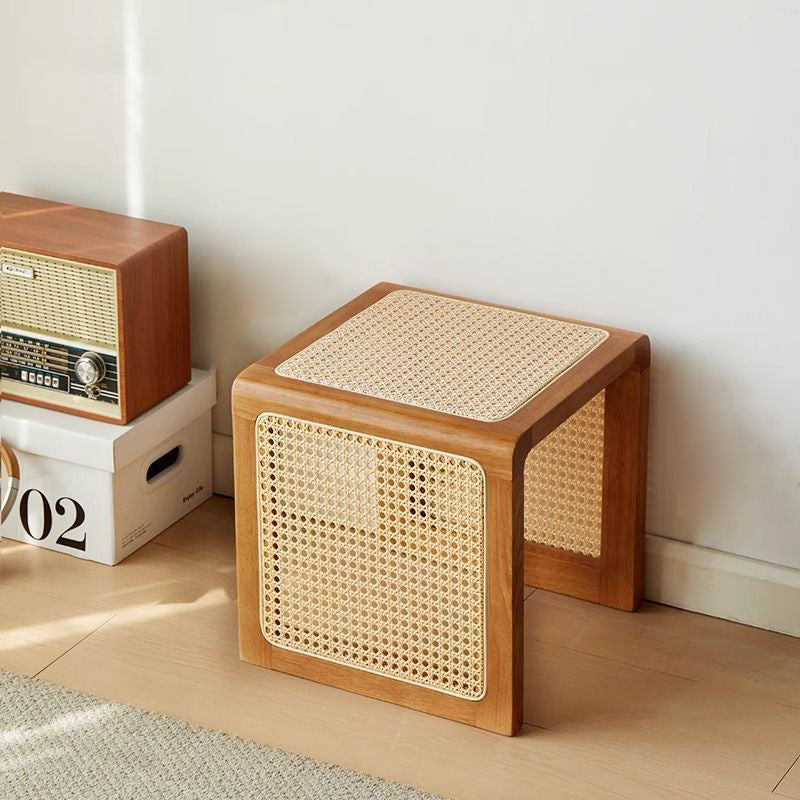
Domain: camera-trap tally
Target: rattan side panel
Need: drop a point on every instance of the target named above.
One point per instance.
(564, 483)
(77, 301)
(373, 554)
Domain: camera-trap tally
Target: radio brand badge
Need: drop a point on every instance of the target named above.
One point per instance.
(19, 272)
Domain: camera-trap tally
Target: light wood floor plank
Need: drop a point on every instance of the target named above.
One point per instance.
(36, 629)
(747, 660)
(152, 574)
(635, 713)
(790, 784)
(186, 665)
(713, 695)
(614, 724)
(208, 532)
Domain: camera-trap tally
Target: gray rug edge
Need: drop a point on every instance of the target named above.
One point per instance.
(122, 709)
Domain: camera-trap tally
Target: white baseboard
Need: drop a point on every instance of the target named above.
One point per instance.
(678, 574)
(723, 585)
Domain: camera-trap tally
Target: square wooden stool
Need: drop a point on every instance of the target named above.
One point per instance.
(404, 465)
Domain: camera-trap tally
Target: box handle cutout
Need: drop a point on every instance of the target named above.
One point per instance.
(162, 464)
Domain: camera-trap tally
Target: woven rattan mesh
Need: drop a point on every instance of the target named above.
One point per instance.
(564, 483)
(447, 355)
(373, 554)
(76, 301)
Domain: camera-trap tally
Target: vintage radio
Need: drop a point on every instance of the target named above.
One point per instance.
(95, 309)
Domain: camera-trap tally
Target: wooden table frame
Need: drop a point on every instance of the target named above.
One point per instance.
(620, 365)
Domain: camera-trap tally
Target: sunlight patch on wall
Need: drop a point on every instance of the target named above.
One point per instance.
(134, 93)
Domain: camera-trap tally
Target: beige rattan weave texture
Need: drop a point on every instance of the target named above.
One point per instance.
(76, 301)
(373, 554)
(447, 355)
(564, 483)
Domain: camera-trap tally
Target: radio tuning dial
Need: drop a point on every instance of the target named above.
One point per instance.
(90, 369)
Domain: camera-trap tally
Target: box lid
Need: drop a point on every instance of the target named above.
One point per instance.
(101, 445)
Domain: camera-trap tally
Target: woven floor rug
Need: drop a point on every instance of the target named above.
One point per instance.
(56, 743)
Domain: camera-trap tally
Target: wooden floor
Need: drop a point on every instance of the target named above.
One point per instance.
(659, 704)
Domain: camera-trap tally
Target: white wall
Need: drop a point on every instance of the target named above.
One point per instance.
(635, 163)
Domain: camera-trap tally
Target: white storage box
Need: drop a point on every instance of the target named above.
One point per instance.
(100, 491)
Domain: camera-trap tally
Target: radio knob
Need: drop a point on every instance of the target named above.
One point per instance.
(90, 369)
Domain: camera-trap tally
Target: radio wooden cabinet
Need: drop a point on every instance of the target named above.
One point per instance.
(405, 464)
(95, 309)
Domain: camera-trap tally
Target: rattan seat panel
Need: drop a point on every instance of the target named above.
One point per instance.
(372, 554)
(564, 483)
(447, 355)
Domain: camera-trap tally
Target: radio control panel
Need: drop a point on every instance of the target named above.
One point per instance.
(38, 377)
(58, 366)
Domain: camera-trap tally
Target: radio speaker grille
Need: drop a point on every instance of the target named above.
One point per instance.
(75, 301)
(564, 483)
(372, 554)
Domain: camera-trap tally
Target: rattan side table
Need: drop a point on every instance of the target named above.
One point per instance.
(405, 464)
